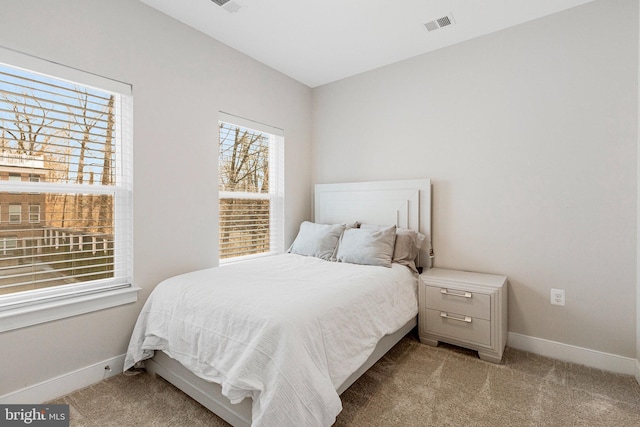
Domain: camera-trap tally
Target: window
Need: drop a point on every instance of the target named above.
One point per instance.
(65, 148)
(34, 213)
(8, 244)
(34, 178)
(13, 177)
(15, 214)
(251, 188)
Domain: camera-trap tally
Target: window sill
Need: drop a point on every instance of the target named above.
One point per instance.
(22, 317)
(237, 259)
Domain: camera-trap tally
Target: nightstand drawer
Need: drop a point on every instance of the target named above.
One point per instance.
(473, 304)
(462, 327)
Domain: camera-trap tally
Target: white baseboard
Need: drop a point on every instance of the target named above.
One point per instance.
(569, 353)
(67, 383)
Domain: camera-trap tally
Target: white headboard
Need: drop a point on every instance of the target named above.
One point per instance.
(405, 203)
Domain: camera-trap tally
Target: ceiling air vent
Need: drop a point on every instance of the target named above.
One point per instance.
(435, 24)
(228, 5)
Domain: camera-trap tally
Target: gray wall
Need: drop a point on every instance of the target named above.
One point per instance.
(181, 79)
(529, 136)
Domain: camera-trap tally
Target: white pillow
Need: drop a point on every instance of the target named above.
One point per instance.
(367, 246)
(317, 240)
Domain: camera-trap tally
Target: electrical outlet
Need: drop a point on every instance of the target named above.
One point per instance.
(557, 296)
(107, 371)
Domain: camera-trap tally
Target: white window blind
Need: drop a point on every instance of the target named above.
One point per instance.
(251, 188)
(66, 162)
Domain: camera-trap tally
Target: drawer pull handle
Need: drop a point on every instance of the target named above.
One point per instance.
(466, 319)
(464, 295)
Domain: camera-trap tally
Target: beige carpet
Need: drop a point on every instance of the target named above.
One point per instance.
(413, 385)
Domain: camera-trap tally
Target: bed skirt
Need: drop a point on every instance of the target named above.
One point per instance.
(210, 395)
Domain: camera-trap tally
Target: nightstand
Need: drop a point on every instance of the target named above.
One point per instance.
(464, 308)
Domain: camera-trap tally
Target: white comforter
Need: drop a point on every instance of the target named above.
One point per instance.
(286, 330)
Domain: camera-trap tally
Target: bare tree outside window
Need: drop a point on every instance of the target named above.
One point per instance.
(245, 192)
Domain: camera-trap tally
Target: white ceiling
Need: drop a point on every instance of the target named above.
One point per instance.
(317, 42)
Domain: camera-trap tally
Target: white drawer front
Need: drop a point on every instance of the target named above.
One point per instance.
(472, 304)
(459, 326)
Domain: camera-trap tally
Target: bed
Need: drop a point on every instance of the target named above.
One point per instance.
(274, 341)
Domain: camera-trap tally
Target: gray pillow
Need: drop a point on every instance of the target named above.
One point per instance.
(317, 240)
(367, 246)
(407, 244)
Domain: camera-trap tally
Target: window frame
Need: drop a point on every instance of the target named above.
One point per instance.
(27, 308)
(3, 244)
(276, 187)
(13, 214)
(37, 221)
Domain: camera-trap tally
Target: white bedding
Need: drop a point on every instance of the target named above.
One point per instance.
(286, 330)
